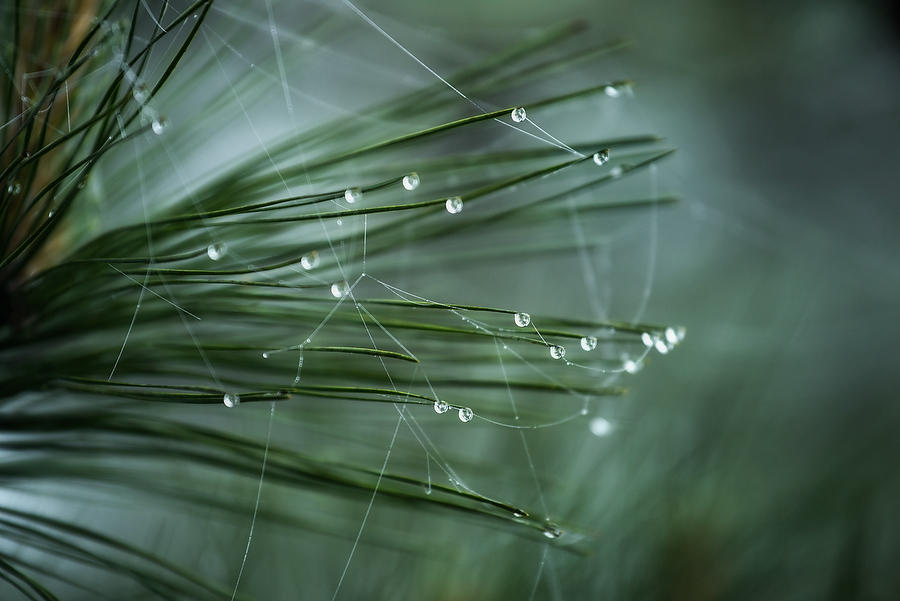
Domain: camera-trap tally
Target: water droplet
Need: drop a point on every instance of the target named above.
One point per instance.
(411, 181)
(601, 427)
(339, 289)
(216, 250)
(518, 114)
(600, 158)
(518, 513)
(466, 414)
(428, 490)
(265, 355)
(616, 171)
(552, 532)
(339, 222)
(14, 188)
(351, 195)
(661, 347)
(231, 399)
(310, 260)
(140, 93)
(454, 205)
(159, 125)
(672, 336)
(441, 407)
(588, 343)
(523, 320)
(631, 366)
(81, 184)
(51, 213)
(612, 91)
(557, 351)
(647, 339)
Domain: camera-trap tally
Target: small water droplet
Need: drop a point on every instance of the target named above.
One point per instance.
(14, 188)
(601, 427)
(552, 532)
(265, 355)
(428, 490)
(600, 158)
(557, 351)
(50, 213)
(81, 184)
(339, 222)
(523, 320)
(441, 407)
(631, 366)
(216, 250)
(339, 289)
(159, 125)
(661, 347)
(518, 513)
(588, 343)
(612, 91)
(231, 399)
(518, 114)
(310, 260)
(466, 414)
(671, 336)
(647, 339)
(140, 93)
(411, 181)
(454, 205)
(616, 171)
(351, 195)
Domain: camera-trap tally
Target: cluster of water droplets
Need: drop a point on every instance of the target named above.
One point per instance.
(465, 413)
(664, 341)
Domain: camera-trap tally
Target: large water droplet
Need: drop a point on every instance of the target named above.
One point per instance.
(557, 351)
(552, 532)
(351, 195)
(339, 289)
(411, 181)
(466, 414)
(588, 343)
(216, 250)
(441, 407)
(523, 320)
(231, 399)
(159, 125)
(454, 205)
(601, 427)
(310, 260)
(518, 114)
(600, 158)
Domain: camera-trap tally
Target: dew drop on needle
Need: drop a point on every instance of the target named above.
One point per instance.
(352, 195)
(523, 320)
(454, 205)
(411, 181)
(518, 114)
(466, 414)
(216, 250)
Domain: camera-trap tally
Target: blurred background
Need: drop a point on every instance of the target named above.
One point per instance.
(756, 461)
